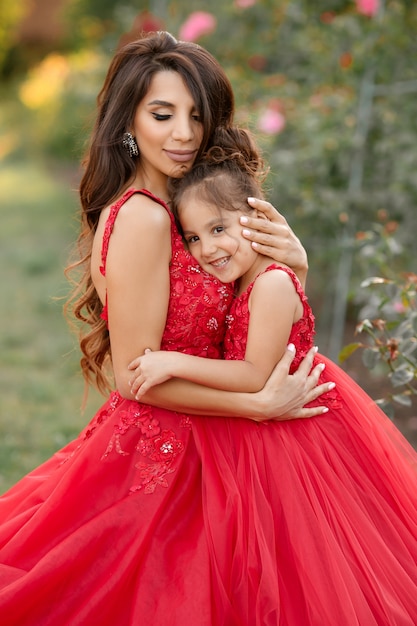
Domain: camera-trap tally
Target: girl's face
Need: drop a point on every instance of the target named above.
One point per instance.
(214, 238)
(167, 128)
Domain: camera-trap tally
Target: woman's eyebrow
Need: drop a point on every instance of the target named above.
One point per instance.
(161, 103)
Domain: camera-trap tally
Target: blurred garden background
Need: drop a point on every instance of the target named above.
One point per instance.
(330, 89)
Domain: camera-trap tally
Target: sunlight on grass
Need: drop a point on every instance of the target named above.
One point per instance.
(40, 383)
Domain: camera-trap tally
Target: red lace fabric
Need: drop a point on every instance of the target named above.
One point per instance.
(196, 325)
(196, 319)
(302, 333)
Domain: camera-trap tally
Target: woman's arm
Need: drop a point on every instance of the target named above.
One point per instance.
(275, 238)
(282, 398)
(137, 282)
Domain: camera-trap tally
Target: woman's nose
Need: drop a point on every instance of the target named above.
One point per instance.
(183, 130)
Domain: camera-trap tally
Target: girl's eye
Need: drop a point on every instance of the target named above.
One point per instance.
(192, 239)
(161, 117)
(218, 229)
(196, 117)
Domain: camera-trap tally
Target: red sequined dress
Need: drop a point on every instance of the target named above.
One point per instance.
(151, 517)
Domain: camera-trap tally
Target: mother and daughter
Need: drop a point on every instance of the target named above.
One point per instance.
(204, 501)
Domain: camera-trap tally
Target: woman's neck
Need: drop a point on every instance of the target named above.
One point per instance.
(157, 186)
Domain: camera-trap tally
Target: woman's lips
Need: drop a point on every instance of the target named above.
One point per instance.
(181, 156)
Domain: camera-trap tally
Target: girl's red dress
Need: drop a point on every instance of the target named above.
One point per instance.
(154, 517)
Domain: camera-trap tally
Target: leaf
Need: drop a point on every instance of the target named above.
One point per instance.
(392, 290)
(348, 350)
(401, 377)
(374, 280)
(370, 358)
(364, 325)
(402, 399)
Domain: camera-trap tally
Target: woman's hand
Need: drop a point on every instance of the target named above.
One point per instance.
(275, 238)
(285, 395)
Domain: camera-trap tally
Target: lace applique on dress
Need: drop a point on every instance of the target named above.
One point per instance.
(158, 448)
(302, 333)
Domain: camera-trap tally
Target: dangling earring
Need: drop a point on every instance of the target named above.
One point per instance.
(129, 143)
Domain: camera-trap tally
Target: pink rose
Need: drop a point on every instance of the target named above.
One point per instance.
(198, 24)
(244, 4)
(271, 121)
(367, 7)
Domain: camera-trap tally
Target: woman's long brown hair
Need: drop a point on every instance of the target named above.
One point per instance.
(109, 169)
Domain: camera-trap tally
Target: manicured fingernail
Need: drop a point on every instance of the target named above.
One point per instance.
(316, 348)
(251, 200)
(322, 366)
(325, 409)
(331, 386)
(291, 347)
(254, 244)
(246, 232)
(243, 219)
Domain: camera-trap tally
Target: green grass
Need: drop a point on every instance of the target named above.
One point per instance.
(40, 382)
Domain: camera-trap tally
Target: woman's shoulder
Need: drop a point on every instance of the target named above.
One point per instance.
(141, 207)
(135, 217)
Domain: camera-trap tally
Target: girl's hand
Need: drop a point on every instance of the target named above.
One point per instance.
(275, 238)
(149, 370)
(285, 395)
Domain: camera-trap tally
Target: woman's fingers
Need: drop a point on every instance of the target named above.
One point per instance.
(267, 209)
(305, 412)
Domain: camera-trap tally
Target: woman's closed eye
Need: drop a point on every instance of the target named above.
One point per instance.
(161, 117)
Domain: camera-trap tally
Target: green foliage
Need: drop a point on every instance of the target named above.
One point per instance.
(391, 337)
(40, 384)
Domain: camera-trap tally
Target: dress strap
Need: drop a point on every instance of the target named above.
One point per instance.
(114, 211)
(297, 285)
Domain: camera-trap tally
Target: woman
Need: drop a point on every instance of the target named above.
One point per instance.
(111, 529)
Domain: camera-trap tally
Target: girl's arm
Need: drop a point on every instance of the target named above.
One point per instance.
(154, 368)
(273, 302)
(274, 237)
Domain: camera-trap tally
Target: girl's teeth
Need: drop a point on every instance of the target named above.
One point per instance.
(220, 263)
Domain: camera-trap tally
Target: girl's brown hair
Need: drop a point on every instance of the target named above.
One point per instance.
(109, 169)
(231, 171)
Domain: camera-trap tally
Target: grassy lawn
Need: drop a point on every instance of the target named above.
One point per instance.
(40, 382)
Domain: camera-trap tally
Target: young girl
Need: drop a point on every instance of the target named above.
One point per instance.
(318, 517)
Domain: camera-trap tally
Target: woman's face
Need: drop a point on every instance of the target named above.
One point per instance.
(167, 128)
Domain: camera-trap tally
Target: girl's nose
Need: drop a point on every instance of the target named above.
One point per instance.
(208, 247)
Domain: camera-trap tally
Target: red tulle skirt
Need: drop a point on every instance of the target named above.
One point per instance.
(150, 518)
